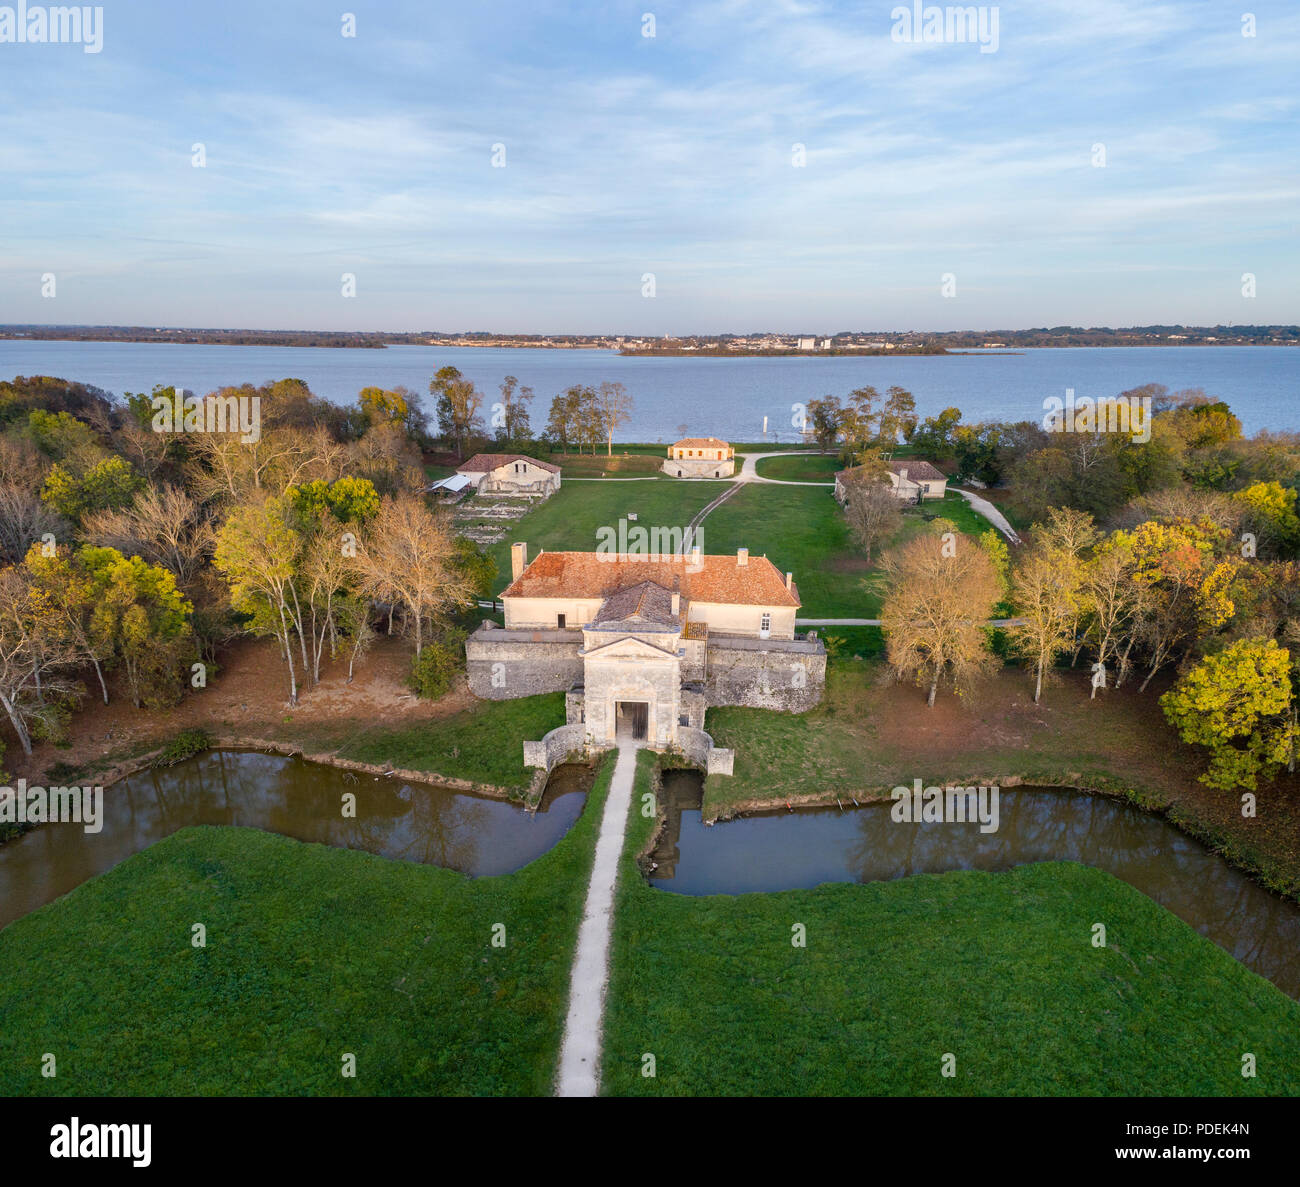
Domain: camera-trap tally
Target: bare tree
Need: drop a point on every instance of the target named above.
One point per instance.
(24, 520)
(615, 408)
(164, 525)
(408, 555)
(942, 591)
(873, 514)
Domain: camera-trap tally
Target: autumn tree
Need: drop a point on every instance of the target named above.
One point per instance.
(1045, 584)
(942, 590)
(142, 619)
(1238, 704)
(25, 519)
(458, 406)
(34, 656)
(257, 551)
(163, 524)
(60, 584)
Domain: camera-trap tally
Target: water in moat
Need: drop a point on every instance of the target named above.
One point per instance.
(786, 850)
(410, 822)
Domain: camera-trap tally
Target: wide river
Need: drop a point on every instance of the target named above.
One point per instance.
(726, 397)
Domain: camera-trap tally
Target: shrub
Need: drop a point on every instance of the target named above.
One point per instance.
(433, 671)
(184, 745)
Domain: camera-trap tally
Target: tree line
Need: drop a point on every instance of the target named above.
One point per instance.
(126, 551)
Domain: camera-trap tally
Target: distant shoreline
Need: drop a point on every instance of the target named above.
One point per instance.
(913, 344)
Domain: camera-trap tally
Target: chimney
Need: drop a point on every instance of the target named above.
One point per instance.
(518, 560)
(677, 602)
(789, 580)
(742, 557)
(695, 556)
(902, 474)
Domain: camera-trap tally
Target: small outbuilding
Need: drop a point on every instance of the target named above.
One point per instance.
(700, 457)
(913, 480)
(511, 474)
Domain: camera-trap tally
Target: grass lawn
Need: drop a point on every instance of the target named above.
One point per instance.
(483, 744)
(996, 969)
(569, 519)
(808, 468)
(311, 952)
(804, 530)
(634, 463)
(870, 734)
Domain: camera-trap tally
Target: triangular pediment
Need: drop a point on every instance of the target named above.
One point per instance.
(629, 647)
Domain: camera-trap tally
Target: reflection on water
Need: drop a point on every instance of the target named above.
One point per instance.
(298, 799)
(801, 849)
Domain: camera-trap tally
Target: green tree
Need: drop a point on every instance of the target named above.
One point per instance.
(143, 620)
(1272, 511)
(107, 485)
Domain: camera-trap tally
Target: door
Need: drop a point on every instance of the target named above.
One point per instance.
(632, 719)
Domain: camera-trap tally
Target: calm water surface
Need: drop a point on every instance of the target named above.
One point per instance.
(723, 396)
(806, 848)
(298, 799)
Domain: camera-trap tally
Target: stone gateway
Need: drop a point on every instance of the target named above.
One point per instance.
(643, 644)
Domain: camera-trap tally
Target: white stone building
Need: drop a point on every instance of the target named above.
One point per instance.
(700, 457)
(643, 645)
(913, 481)
(511, 474)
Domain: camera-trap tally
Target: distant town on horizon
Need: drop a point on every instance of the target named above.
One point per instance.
(765, 342)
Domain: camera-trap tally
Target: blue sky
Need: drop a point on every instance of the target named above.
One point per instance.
(669, 155)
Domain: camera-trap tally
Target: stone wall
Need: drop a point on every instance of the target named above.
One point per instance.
(555, 747)
(502, 664)
(766, 674)
(698, 746)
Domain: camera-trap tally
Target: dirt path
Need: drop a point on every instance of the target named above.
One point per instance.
(579, 1073)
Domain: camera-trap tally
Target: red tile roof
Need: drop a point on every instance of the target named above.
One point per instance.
(483, 463)
(699, 443)
(716, 579)
(917, 469)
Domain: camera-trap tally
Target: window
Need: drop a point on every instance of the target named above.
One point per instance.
(684, 719)
(765, 624)
(559, 621)
(925, 486)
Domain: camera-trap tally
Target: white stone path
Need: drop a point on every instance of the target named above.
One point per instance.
(579, 1073)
